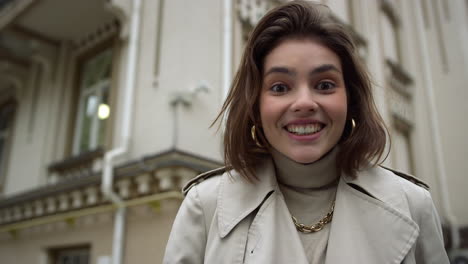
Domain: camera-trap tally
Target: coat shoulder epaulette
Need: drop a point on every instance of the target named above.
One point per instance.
(409, 177)
(203, 177)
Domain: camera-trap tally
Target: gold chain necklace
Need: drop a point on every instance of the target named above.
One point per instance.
(317, 226)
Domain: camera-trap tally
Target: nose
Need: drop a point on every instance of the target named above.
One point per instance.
(304, 101)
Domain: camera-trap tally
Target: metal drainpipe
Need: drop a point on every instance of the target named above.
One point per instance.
(440, 164)
(110, 156)
(227, 55)
(227, 46)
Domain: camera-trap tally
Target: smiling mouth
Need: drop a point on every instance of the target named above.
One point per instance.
(307, 129)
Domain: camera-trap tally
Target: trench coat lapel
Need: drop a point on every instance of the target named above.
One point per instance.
(272, 237)
(237, 197)
(371, 222)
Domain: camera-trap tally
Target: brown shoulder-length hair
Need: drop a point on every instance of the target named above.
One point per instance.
(300, 20)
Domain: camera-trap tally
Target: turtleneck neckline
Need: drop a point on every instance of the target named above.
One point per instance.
(320, 174)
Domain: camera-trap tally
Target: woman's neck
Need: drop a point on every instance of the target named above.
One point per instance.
(320, 174)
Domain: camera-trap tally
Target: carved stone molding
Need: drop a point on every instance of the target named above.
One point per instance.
(16, 81)
(401, 106)
(389, 9)
(123, 187)
(399, 79)
(143, 183)
(63, 202)
(38, 208)
(250, 11)
(92, 195)
(77, 198)
(100, 34)
(121, 9)
(166, 179)
(51, 205)
(11, 10)
(77, 166)
(28, 210)
(163, 173)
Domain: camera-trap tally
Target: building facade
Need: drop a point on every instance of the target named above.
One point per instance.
(105, 109)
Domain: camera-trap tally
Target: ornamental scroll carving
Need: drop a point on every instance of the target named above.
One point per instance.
(250, 11)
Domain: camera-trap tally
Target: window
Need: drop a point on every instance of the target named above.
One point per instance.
(7, 111)
(93, 103)
(76, 255)
(401, 146)
(390, 38)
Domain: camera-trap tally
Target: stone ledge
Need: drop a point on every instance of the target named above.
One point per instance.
(162, 172)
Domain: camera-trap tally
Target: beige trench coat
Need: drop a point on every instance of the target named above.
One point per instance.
(379, 218)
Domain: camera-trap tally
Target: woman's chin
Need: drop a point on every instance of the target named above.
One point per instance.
(304, 159)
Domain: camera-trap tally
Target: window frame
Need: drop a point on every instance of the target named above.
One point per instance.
(405, 129)
(387, 11)
(8, 140)
(112, 43)
(73, 251)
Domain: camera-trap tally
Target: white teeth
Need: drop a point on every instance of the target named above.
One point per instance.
(304, 129)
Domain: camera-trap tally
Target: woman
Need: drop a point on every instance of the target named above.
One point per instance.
(302, 142)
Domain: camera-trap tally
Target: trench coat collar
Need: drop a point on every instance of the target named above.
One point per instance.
(237, 197)
(372, 221)
(371, 214)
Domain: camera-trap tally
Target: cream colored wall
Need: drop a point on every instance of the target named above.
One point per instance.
(34, 129)
(367, 23)
(34, 243)
(148, 232)
(450, 94)
(191, 51)
(421, 137)
(190, 54)
(146, 236)
(450, 91)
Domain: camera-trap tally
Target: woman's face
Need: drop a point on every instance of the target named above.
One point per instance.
(303, 99)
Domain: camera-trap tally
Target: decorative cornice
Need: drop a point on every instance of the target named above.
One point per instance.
(121, 9)
(80, 160)
(250, 11)
(162, 172)
(398, 78)
(16, 81)
(389, 9)
(29, 34)
(401, 108)
(13, 9)
(402, 124)
(70, 216)
(100, 34)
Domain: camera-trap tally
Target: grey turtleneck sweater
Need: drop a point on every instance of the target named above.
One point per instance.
(309, 190)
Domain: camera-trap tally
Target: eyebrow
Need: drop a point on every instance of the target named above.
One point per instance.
(324, 68)
(320, 69)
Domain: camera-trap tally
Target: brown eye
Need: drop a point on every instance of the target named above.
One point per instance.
(279, 88)
(326, 85)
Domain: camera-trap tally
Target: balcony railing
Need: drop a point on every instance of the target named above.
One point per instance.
(152, 175)
(77, 166)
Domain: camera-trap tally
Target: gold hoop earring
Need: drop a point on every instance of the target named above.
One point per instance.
(353, 126)
(254, 137)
